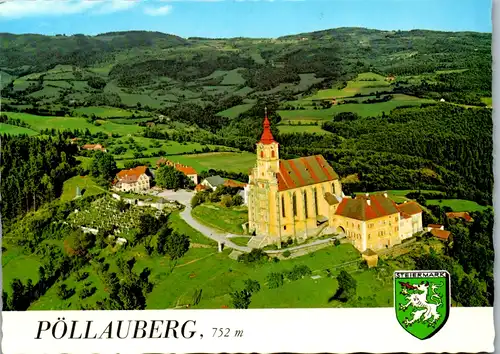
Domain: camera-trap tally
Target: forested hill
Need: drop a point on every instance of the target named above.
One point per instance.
(331, 54)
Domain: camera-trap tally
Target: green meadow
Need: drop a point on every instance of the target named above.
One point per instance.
(15, 130)
(105, 112)
(228, 161)
(87, 188)
(288, 128)
(365, 83)
(217, 275)
(362, 109)
(71, 123)
(235, 111)
(221, 218)
(457, 204)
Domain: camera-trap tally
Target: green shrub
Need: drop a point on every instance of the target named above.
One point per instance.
(286, 254)
(252, 286)
(255, 256)
(274, 280)
(298, 272)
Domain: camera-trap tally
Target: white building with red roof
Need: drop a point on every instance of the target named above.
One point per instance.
(133, 180)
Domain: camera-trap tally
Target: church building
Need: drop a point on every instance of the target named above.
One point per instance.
(303, 198)
(288, 198)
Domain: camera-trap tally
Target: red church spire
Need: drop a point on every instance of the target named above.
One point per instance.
(267, 136)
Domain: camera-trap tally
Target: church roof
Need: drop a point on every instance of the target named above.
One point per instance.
(304, 171)
(359, 208)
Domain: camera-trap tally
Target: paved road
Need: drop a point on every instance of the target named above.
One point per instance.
(184, 197)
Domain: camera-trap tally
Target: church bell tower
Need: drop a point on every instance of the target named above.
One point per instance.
(267, 153)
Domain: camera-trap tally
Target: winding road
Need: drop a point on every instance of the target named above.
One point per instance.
(184, 197)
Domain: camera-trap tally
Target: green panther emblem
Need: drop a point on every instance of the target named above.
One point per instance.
(422, 301)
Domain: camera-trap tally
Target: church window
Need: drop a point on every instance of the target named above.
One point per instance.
(283, 205)
(262, 154)
(294, 202)
(316, 201)
(305, 204)
(272, 153)
(284, 227)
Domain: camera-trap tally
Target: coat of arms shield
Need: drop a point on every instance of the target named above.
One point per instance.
(422, 301)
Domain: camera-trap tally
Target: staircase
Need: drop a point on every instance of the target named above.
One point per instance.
(257, 242)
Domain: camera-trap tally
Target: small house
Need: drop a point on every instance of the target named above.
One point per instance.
(460, 215)
(443, 235)
(213, 182)
(94, 147)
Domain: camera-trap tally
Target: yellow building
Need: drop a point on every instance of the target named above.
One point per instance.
(286, 198)
(303, 198)
(375, 222)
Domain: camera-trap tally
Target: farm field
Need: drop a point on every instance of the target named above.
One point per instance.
(229, 161)
(222, 218)
(362, 109)
(15, 130)
(87, 188)
(152, 146)
(235, 111)
(71, 123)
(457, 204)
(399, 195)
(288, 128)
(364, 84)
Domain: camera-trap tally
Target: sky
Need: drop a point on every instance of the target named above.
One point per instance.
(240, 18)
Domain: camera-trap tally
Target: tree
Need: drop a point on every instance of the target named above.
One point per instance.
(241, 299)
(237, 200)
(198, 199)
(96, 82)
(103, 165)
(252, 286)
(148, 225)
(168, 177)
(470, 293)
(226, 201)
(64, 293)
(78, 243)
(176, 245)
(347, 287)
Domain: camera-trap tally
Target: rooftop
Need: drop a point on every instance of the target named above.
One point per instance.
(441, 234)
(131, 175)
(410, 208)
(304, 171)
(215, 181)
(367, 207)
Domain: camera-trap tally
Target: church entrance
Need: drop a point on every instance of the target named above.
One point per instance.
(340, 230)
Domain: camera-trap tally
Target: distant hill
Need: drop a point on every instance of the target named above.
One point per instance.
(157, 70)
